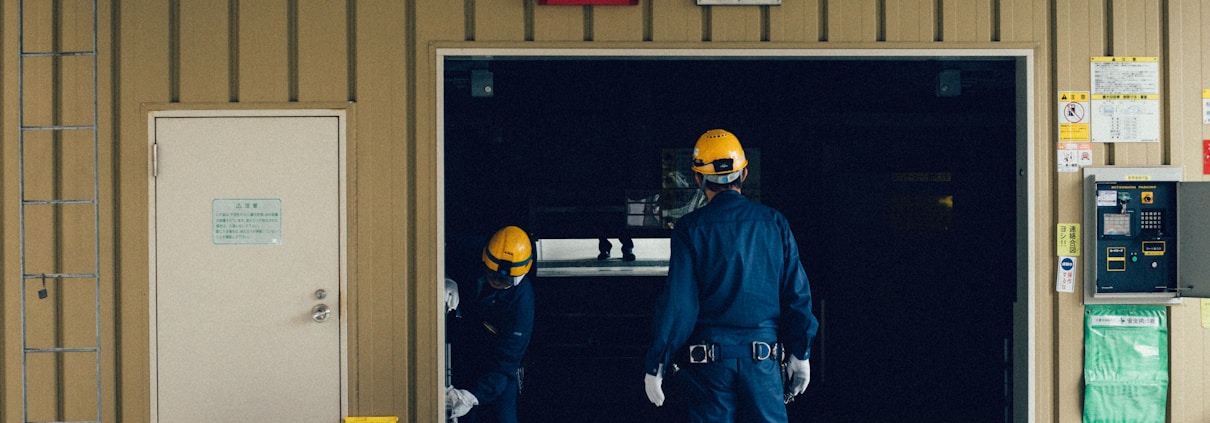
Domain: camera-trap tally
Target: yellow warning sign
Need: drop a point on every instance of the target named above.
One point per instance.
(1124, 59)
(1067, 237)
(1074, 122)
(1125, 96)
(1074, 132)
(1206, 313)
(1073, 95)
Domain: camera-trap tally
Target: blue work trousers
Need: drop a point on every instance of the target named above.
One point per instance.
(735, 390)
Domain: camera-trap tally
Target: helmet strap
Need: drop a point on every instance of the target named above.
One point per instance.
(724, 165)
(504, 267)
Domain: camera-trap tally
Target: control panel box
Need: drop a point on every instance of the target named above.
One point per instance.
(1138, 247)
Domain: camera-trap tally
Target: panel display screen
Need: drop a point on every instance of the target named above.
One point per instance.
(1116, 224)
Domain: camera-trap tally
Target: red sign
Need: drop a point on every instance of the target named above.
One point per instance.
(1206, 157)
(589, 2)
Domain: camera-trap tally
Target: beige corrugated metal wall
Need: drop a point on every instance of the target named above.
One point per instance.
(379, 56)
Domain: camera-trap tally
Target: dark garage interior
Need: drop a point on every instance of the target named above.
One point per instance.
(899, 176)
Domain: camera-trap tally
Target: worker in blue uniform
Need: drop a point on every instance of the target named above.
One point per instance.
(495, 318)
(735, 313)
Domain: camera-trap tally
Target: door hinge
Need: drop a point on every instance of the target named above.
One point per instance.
(155, 159)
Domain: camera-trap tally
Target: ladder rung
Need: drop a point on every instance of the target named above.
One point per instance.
(60, 276)
(61, 350)
(58, 53)
(59, 128)
(44, 202)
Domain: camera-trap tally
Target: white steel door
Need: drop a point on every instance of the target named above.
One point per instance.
(247, 235)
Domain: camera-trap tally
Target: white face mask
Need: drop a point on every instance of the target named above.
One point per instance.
(493, 280)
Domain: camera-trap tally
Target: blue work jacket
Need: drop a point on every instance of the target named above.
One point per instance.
(492, 335)
(734, 268)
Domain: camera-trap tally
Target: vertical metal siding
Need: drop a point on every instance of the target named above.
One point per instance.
(429, 354)
(263, 50)
(852, 21)
(378, 54)
(795, 21)
(910, 20)
(205, 33)
(736, 23)
(140, 47)
(383, 369)
(499, 20)
(1073, 47)
(968, 20)
(323, 53)
(558, 23)
(618, 23)
(677, 21)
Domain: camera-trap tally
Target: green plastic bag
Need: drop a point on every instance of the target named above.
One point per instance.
(1125, 363)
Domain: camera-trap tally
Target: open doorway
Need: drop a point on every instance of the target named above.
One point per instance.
(899, 175)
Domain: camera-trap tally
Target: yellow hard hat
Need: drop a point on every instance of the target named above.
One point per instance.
(509, 252)
(719, 157)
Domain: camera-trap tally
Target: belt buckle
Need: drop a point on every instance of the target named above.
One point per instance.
(700, 353)
(761, 351)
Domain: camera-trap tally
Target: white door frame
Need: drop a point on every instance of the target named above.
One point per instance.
(342, 321)
(1024, 367)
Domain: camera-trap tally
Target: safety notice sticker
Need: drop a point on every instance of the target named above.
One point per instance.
(1125, 99)
(1066, 279)
(1075, 145)
(1072, 155)
(1206, 106)
(1067, 239)
(1125, 321)
(1073, 116)
(246, 221)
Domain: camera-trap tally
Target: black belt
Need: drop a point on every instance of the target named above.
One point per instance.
(757, 351)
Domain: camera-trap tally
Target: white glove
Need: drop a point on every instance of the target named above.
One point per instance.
(451, 295)
(654, 386)
(800, 374)
(459, 401)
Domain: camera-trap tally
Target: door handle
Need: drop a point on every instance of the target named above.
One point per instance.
(320, 313)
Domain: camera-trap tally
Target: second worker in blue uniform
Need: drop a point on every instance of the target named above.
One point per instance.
(736, 304)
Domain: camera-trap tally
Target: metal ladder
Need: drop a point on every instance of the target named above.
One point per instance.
(59, 212)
